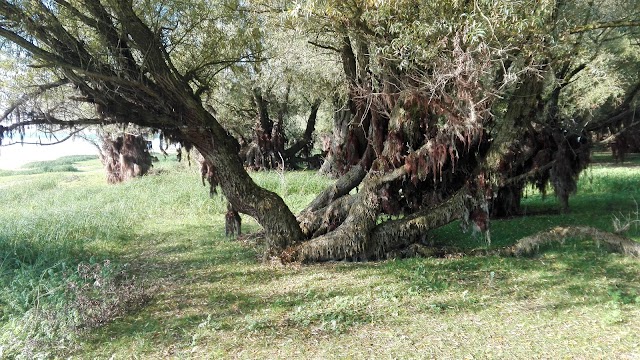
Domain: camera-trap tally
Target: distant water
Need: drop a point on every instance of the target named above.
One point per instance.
(14, 156)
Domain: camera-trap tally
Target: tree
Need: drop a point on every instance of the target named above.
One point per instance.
(445, 107)
(272, 106)
(137, 65)
(124, 157)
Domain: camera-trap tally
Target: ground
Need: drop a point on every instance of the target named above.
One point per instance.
(213, 297)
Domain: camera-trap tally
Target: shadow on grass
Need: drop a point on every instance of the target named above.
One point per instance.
(578, 273)
(209, 282)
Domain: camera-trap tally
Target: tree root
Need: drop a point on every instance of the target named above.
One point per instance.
(526, 246)
(531, 244)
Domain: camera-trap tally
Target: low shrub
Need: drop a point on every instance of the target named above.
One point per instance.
(46, 313)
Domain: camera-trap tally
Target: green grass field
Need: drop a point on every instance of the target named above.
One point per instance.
(143, 270)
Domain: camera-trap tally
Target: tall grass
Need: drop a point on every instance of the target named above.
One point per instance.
(49, 230)
(62, 232)
(63, 164)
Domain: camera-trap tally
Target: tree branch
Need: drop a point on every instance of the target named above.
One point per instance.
(531, 244)
(327, 47)
(341, 187)
(72, 134)
(604, 25)
(50, 120)
(26, 97)
(308, 132)
(263, 111)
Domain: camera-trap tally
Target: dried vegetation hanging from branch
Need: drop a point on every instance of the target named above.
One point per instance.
(125, 157)
(420, 143)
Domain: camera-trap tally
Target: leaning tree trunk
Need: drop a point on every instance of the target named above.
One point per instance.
(350, 239)
(219, 148)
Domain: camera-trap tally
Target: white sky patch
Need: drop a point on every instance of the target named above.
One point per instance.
(16, 155)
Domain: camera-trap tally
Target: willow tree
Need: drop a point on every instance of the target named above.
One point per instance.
(436, 107)
(146, 64)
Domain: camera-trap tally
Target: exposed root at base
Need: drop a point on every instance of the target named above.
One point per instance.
(526, 246)
(531, 244)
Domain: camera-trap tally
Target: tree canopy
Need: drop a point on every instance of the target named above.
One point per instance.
(441, 110)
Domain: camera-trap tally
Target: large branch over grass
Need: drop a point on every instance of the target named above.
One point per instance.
(531, 244)
(397, 234)
(341, 187)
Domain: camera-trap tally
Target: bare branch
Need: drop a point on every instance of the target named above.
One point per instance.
(323, 46)
(26, 97)
(39, 142)
(604, 25)
(50, 120)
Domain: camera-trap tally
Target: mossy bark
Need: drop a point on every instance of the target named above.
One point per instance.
(350, 240)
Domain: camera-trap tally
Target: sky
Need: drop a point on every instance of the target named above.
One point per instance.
(14, 156)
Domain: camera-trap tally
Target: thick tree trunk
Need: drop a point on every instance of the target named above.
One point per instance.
(397, 234)
(322, 221)
(350, 239)
(333, 164)
(269, 210)
(304, 145)
(507, 201)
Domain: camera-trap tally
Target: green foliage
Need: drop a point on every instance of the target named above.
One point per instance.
(50, 283)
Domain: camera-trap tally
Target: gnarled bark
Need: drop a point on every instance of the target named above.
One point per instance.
(316, 223)
(124, 157)
(397, 234)
(349, 240)
(531, 244)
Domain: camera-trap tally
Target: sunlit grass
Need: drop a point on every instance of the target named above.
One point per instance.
(212, 297)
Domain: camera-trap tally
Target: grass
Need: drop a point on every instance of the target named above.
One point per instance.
(63, 164)
(211, 297)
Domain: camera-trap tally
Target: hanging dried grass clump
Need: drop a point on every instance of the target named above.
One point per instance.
(125, 157)
(572, 156)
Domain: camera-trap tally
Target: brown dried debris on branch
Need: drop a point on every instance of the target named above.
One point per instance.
(232, 222)
(208, 173)
(125, 157)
